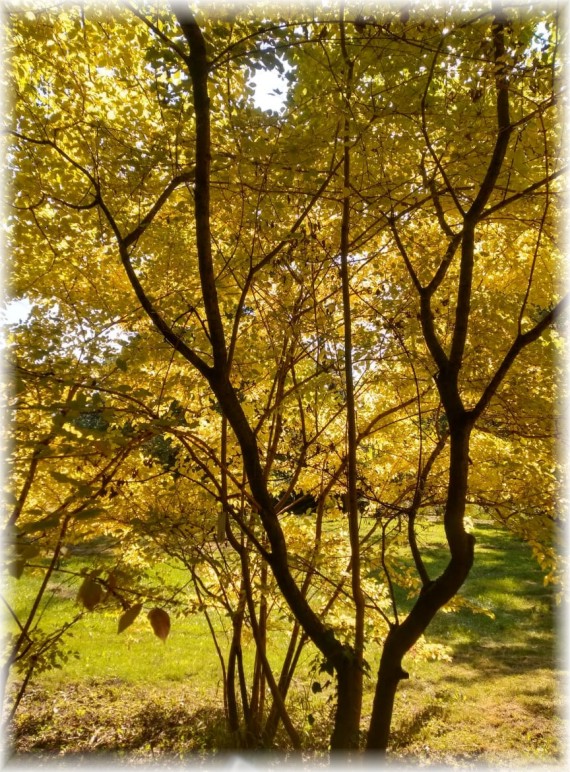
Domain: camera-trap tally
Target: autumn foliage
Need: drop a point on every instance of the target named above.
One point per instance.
(273, 345)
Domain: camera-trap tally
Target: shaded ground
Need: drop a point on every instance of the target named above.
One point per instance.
(113, 717)
(448, 719)
(511, 719)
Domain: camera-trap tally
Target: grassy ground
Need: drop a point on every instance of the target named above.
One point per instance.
(500, 700)
(497, 702)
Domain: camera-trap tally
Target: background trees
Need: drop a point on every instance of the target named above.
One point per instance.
(313, 328)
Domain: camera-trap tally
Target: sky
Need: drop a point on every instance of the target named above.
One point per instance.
(266, 83)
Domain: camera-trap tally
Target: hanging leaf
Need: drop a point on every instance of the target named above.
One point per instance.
(90, 593)
(22, 553)
(160, 622)
(16, 567)
(126, 619)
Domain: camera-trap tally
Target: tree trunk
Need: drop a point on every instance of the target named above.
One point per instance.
(390, 673)
(287, 670)
(433, 596)
(346, 731)
(233, 660)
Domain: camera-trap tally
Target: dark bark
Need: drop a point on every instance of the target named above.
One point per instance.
(418, 497)
(218, 376)
(294, 650)
(390, 673)
(346, 730)
(433, 597)
(258, 686)
(436, 594)
(199, 70)
(521, 341)
(233, 661)
(242, 684)
(264, 665)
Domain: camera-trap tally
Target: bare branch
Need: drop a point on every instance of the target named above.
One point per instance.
(439, 166)
(522, 194)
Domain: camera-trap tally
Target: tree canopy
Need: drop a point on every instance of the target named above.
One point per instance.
(276, 343)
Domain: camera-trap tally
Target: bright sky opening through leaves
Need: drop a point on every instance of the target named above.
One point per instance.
(270, 90)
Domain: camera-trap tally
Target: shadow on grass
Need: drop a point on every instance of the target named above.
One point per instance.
(503, 670)
(506, 581)
(409, 729)
(104, 722)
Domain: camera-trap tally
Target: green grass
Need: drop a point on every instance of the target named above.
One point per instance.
(136, 656)
(496, 702)
(499, 700)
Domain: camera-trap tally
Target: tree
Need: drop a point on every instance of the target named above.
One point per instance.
(351, 295)
(70, 443)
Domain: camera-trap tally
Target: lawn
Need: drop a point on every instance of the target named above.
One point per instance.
(497, 702)
(500, 700)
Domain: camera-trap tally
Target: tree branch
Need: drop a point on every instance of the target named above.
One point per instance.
(521, 194)
(158, 32)
(198, 66)
(135, 234)
(504, 128)
(429, 145)
(520, 342)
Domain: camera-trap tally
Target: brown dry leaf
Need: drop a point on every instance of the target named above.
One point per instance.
(160, 622)
(90, 593)
(126, 619)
